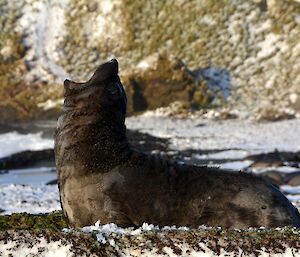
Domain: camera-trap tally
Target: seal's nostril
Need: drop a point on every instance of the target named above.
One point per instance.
(66, 82)
(114, 60)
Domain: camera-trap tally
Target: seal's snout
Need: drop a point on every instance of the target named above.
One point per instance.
(106, 71)
(66, 82)
(114, 61)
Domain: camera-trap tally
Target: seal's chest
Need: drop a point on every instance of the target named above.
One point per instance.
(112, 181)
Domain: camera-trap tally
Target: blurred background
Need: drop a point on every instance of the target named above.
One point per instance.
(202, 53)
(216, 81)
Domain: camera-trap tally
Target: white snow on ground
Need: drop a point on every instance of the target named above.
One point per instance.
(188, 251)
(237, 166)
(31, 176)
(108, 229)
(14, 142)
(197, 133)
(230, 154)
(291, 189)
(41, 249)
(31, 199)
(292, 193)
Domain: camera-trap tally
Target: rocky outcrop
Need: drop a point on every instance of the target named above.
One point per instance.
(157, 81)
(247, 49)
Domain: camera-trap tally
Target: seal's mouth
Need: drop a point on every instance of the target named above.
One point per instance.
(107, 71)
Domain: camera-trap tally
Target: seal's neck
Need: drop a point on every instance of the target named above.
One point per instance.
(108, 142)
(97, 132)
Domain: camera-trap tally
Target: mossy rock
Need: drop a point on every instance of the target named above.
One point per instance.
(54, 221)
(22, 230)
(42, 242)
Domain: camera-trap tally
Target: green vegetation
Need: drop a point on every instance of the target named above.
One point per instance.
(54, 221)
(33, 227)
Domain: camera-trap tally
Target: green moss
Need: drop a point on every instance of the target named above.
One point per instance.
(54, 220)
(21, 226)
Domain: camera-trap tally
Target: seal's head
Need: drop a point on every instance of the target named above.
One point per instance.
(104, 91)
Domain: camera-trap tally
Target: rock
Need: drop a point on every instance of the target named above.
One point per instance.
(256, 44)
(52, 182)
(27, 159)
(157, 81)
(274, 7)
(265, 162)
(273, 159)
(295, 101)
(273, 115)
(292, 179)
(273, 177)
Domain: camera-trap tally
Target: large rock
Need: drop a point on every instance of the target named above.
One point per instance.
(157, 81)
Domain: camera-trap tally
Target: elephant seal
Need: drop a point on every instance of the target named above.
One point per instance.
(102, 178)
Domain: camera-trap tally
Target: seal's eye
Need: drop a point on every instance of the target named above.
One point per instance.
(120, 88)
(116, 89)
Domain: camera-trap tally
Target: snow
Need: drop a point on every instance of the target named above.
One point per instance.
(199, 133)
(108, 229)
(43, 22)
(13, 142)
(290, 189)
(226, 154)
(270, 44)
(237, 165)
(30, 176)
(217, 79)
(49, 104)
(42, 248)
(32, 199)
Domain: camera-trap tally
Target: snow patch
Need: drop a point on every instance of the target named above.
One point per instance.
(236, 166)
(41, 248)
(13, 142)
(105, 22)
(230, 134)
(217, 80)
(290, 189)
(30, 176)
(227, 154)
(271, 43)
(31, 199)
(50, 104)
(43, 23)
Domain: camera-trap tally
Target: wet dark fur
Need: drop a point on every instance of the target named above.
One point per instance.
(102, 178)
